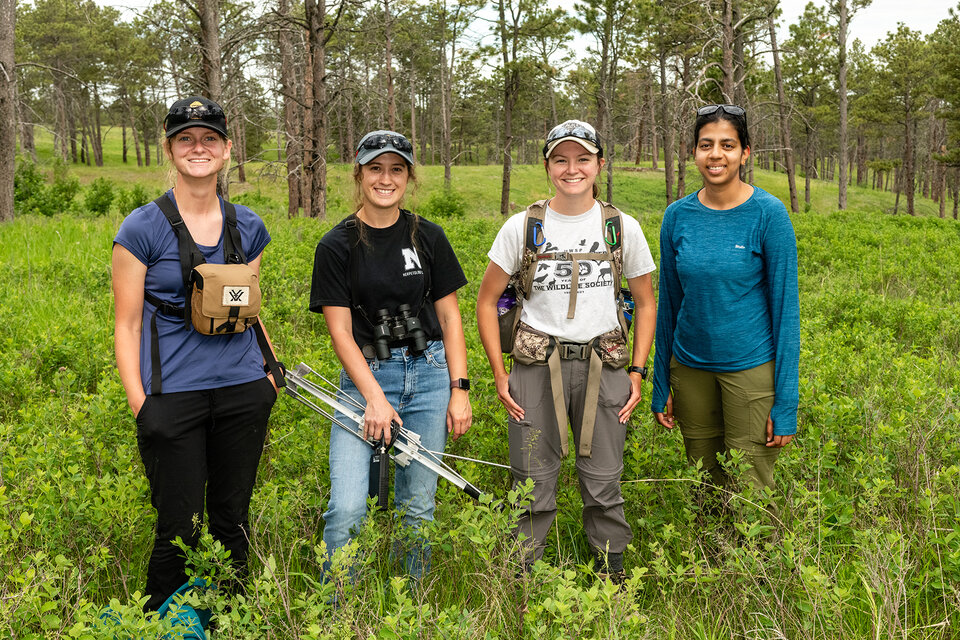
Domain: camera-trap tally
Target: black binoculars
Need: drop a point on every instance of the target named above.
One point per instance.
(403, 326)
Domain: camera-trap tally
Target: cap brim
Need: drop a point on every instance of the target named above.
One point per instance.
(367, 155)
(592, 148)
(196, 123)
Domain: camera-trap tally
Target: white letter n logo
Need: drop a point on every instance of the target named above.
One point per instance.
(410, 259)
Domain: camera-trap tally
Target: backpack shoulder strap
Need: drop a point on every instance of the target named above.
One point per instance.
(534, 216)
(190, 255)
(612, 225)
(232, 241)
(532, 237)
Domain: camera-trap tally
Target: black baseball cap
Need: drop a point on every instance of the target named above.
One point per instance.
(195, 111)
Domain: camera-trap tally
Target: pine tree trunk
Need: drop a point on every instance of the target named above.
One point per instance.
(134, 133)
(842, 91)
(654, 139)
(445, 99)
(209, 12)
(909, 172)
(291, 116)
(726, 62)
(666, 124)
(317, 15)
(509, 97)
(307, 137)
(8, 110)
(785, 141)
(388, 58)
(413, 110)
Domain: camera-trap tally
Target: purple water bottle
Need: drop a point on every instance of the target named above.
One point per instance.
(507, 301)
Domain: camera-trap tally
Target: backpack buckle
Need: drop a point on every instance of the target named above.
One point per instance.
(573, 350)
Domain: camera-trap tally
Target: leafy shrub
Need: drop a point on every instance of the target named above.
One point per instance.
(99, 196)
(447, 203)
(253, 199)
(29, 188)
(64, 188)
(128, 200)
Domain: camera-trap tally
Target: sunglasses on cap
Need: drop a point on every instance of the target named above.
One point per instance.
(186, 113)
(384, 140)
(574, 129)
(732, 109)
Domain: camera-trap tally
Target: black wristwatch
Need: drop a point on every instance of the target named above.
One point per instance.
(460, 383)
(641, 370)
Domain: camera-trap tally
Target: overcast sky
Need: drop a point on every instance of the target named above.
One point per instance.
(870, 25)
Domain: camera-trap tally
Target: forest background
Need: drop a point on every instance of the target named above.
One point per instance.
(863, 538)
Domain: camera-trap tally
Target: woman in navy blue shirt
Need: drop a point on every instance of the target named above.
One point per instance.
(201, 402)
(728, 319)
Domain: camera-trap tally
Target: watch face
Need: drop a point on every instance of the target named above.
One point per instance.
(460, 383)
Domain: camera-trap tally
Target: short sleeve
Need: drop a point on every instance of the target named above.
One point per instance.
(507, 249)
(137, 234)
(330, 284)
(446, 274)
(637, 259)
(253, 232)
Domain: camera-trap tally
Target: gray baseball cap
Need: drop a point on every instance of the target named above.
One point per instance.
(377, 143)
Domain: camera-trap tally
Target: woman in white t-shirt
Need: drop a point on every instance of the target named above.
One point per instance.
(564, 255)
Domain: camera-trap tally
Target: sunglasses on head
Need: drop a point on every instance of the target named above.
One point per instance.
(732, 109)
(203, 112)
(382, 141)
(573, 129)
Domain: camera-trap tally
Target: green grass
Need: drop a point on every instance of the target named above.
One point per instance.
(862, 539)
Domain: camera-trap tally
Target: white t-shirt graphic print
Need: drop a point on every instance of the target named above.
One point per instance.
(546, 310)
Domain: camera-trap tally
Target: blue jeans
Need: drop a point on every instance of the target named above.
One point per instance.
(419, 389)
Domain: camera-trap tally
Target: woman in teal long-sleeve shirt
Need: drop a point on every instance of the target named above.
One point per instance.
(726, 368)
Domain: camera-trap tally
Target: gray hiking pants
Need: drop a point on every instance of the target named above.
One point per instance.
(535, 453)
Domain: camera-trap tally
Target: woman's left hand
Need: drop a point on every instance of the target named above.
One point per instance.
(636, 393)
(776, 441)
(459, 413)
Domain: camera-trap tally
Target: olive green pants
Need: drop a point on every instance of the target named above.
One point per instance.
(535, 452)
(722, 411)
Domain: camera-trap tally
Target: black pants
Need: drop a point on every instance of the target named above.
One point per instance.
(196, 445)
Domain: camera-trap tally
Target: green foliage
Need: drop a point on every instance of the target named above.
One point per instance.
(29, 187)
(447, 203)
(256, 200)
(33, 195)
(99, 196)
(862, 538)
(129, 199)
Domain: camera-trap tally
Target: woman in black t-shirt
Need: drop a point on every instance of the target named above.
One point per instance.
(366, 269)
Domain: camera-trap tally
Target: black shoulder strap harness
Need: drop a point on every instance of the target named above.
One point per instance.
(353, 238)
(190, 257)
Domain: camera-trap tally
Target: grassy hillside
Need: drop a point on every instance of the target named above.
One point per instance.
(862, 539)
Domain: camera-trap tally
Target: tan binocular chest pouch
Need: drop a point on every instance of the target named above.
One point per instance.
(225, 298)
